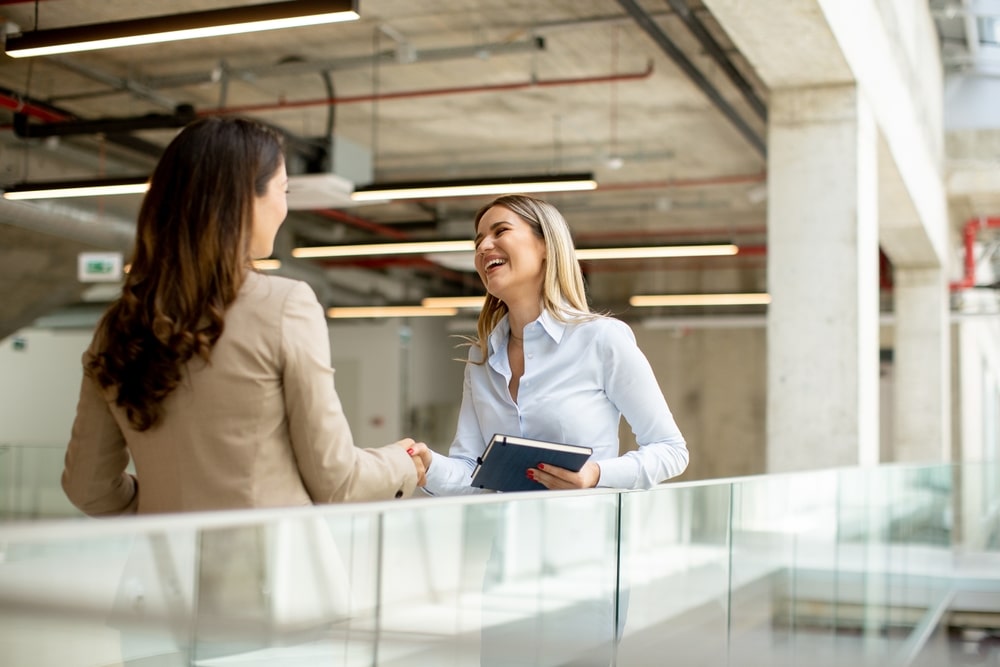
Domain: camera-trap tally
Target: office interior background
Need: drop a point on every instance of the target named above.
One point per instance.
(847, 149)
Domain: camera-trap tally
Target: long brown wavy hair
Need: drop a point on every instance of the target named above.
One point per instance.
(192, 253)
(563, 293)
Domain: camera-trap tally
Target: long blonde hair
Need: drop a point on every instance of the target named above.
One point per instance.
(563, 293)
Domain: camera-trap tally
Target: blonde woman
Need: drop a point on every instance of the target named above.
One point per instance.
(544, 366)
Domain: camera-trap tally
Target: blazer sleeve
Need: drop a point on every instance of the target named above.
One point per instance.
(332, 468)
(94, 476)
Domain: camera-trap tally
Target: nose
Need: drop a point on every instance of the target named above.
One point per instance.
(484, 246)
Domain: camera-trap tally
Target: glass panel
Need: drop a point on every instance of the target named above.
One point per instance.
(105, 600)
(299, 589)
(784, 584)
(30, 486)
(528, 581)
(675, 576)
(859, 566)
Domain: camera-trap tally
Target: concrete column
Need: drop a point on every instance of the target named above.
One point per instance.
(822, 331)
(921, 367)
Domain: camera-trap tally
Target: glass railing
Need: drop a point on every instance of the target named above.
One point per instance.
(895, 565)
(30, 483)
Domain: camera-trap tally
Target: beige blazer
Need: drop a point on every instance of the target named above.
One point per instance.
(259, 426)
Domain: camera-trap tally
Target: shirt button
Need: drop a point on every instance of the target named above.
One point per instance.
(531, 355)
(399, 494)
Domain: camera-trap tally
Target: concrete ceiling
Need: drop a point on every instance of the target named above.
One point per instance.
(671, 127)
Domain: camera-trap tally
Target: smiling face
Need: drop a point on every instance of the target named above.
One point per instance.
(510, 256)
(269, 211)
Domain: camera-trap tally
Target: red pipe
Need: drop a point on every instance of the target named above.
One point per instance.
(328, 101)
(362, 223)
(969, 232)
(38, 111)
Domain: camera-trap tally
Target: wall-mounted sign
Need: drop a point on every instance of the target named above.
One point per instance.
(99, 267)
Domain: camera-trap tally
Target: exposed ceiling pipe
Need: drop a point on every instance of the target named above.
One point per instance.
(117, 84)
(181, 116)
(103, 231)
(25, 105)
(254, 72)
(363, 223)
(705, 38)
(646, 22)
(647, 234)
(433, 92)
(737, 179)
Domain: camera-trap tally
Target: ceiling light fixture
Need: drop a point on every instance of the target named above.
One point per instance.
(79, 188)
(583, 254)
(654, 252)
(194, 25)
(354, 312)
(453, 302)
(269, 264)
(475, 187)
(371, 249)
(739, 299)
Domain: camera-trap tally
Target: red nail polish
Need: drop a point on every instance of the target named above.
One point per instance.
(410, 451)
(531, 474)
(541, 466)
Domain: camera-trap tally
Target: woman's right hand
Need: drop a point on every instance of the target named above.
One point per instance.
(421, 457)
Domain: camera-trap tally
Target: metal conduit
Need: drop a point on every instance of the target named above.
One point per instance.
(661, 39)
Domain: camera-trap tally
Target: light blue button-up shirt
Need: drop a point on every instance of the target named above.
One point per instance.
(579, 380)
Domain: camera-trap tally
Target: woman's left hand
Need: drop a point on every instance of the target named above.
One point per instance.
(553, 477)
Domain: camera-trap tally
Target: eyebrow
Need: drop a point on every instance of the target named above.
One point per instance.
(479, 237)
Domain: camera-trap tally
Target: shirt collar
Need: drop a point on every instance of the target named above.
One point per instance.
(553, 327)
(550, 325)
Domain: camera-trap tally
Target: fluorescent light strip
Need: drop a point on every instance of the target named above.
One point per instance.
(656, 252)
(388, 311)
(668, 300)
(267, 264)
(195, 25)
(371, 249)
(471, 188)
(68, 189)
(453, 302)
(424, 247)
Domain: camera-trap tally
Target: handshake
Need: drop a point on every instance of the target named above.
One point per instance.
(420, 455)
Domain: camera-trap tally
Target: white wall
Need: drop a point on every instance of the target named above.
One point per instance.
(40, 375)
(715, 382)
(39, 385)
(408, 383)
(366, 358)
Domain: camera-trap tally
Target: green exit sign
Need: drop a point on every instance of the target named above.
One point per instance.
(99, 267)
(96, 267)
